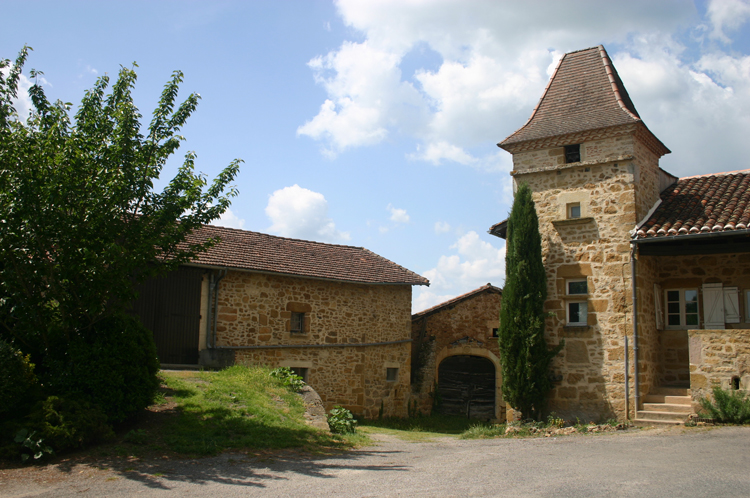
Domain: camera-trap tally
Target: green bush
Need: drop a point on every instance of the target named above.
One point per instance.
(18, 385)
(341, 421)
(66, 423)
(288, 378)
(728, 407)
(112, 365)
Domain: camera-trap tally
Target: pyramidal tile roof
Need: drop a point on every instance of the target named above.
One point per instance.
(456, 300)
(253, 251)
(584, 93)
(718, 202)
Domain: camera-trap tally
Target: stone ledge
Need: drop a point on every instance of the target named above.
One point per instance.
(572, 221)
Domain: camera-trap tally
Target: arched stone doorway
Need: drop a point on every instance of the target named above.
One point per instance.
(466, 386)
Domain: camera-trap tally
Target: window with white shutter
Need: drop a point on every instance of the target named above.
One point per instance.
(658, 307)
(713, 306)
(731, 305)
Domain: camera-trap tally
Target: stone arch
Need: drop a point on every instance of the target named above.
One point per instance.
(447, 352)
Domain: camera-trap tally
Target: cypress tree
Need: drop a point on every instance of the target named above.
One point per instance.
(524, 354)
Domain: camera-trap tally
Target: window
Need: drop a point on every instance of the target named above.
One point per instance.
(573, 153)
(297, 323)
(391, 374)
(574, 210)
(301, 371)
(495, 332)
(681, 307)
(577, 311)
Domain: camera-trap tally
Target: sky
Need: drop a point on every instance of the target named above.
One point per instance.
(374, 123)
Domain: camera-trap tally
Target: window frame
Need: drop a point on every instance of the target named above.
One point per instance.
(571, 151)
(574, 298)
(569, 210)
(297, 318)
(682, 312)
(389, 371)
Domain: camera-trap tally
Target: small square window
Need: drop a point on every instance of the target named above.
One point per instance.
(573, 153)
(495, 332)
(391, 374)
(300, 371)
(577, 287)
(574, 210)
(297, 325)
(578, 313)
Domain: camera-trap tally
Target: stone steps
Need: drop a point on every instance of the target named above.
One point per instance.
(665, 406)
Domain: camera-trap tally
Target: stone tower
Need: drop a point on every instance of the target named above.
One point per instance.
(593, 168)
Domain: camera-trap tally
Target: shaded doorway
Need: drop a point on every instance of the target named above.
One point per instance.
(466, 386)
(169, 306)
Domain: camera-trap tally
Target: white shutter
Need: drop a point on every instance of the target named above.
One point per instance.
(731, 305)
(658, 307)
(713, 306)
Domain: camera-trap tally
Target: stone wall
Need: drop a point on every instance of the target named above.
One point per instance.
(716, 358)
(595, 247)
(691, 272)
(464, 328)
(341, 319)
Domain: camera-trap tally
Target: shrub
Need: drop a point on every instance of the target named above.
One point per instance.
(112, 365)
(66, 423)
(728, 407)
(32, 445)
(341, 421)
(18, 385)
(288, 378)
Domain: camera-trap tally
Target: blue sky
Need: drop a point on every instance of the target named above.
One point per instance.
(374, 122)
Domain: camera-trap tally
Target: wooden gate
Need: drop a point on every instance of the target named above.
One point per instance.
(466, 385)
(170, 307)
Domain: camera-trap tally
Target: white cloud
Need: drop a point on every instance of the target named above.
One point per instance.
(301, 213)
(442, 227)
(727, 15)
(398, 215)
(22, 103)
(495, 58)
(474, 264)
(230, 220)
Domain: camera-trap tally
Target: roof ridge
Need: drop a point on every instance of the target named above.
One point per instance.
(722, 173)
(284, 238)
(456, 299)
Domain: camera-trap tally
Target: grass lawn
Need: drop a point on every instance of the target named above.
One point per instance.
(240, 408)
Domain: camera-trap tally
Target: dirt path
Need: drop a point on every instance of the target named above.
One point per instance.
(651, 463)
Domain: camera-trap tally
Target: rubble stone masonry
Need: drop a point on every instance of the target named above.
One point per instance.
(590, 370)
(464, 328)
(344, 324)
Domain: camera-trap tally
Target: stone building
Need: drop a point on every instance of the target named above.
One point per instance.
(617, 230)
(337, 315)
(455, 357)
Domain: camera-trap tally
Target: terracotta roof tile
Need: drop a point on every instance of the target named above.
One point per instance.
(456, 300)
(253, 251)
(701, 204)
(584, 93)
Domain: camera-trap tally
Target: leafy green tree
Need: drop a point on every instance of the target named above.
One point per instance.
(524, 354)
(80, 220)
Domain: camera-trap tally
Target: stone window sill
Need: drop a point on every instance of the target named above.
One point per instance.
(576, 328)
(572, 221)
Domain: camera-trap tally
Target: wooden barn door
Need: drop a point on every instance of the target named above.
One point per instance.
(466, 385)
(170, 308)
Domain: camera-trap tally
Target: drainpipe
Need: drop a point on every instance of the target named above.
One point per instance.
(636, 371)
(215, 315)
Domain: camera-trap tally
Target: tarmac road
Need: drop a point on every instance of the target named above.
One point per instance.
(681, 462)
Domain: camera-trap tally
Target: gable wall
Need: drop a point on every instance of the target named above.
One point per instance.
(461, 329)
(255, 310)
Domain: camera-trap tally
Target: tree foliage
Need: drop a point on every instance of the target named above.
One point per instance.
(80, 219)
(524, 354)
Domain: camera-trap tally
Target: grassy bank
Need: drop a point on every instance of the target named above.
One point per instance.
(240, 408)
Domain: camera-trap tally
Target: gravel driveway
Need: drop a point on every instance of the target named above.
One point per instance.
(649, 463)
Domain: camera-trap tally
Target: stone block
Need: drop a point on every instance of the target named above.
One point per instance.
(576, 352)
